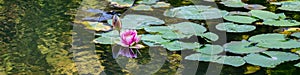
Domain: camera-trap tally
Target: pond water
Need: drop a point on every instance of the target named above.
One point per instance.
(40, 37)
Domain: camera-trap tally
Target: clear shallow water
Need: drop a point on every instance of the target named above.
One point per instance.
(36, 38)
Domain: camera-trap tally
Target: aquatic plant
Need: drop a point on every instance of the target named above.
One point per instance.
(235, 28)
(240, 19)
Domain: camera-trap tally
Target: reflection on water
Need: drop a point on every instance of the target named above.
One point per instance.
(37, 38)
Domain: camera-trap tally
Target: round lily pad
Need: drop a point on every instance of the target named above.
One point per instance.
(271, 58)
(113, 33)
(142, 7)
(276, 41)
(290, 6)
(231, 27)
(198, 12)
(122, 3)
(154, 38)
(282, 23)
(147, 1)
(106, 40)
(271, 36)
(254, 7)
(174, 35)
(297, 34)
(233, 3)
(178, 45)
(210, 49)
(262, 14)
(188, 28)
(160, 29)
(297, 65)
(243, 47)
(161, 5)
(133, 21)
(240, 19)
(229, 60)
(209, 36)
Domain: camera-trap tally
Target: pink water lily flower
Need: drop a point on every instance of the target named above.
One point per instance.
(129, 40)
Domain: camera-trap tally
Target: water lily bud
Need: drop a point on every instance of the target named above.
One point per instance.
(116, 22)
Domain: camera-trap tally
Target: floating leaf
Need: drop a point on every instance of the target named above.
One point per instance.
(121, 3)
(297, 34)
(161, 5)
(240, 19)
(274, 40)
(147, 1)
(106, 40)
(188, 28)
(230, 27)
(151, 44)
(154, 38)
(142, 7)
(262, 14)
(177, 45)
(272, 59)
(297, 65)
(160, 29)
(113, 33)
(229, 60)
(271, 36)
(254, 7)
(239, 13)
(210, 49)
(242, 47)
(133, 21)
(198, 12)
(210, 36)
(233, 3)
(282, 23)
(290, 6)
(174, 35)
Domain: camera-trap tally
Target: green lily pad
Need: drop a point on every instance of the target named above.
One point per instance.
(262, 14)
(188, 28)
(229, 60)
(271, 36)
(233, 3)
(209, 36)
(133, 21)
(174, 35)
(231, 27)
(297, 65)
(198, 12)
(242, 47)
(272, 59)
(122, 3)
(106, 40)
(210, 49)
(297, 34)
(240, 19)
(159, 29)
(290, 6)
(178, 45)
(154, 38)
(151, 44)
(147, 1)
(142, 8)
(282, 23)
(275, 40)
(113, 33)
(281, 16)
(161, 5)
